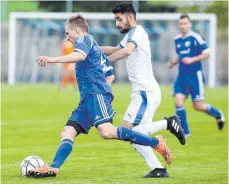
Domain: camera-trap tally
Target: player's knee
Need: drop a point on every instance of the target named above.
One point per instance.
(197, 106)
(179, 102)
(68, 133)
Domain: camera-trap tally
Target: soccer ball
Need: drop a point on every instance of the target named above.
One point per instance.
(31, 162)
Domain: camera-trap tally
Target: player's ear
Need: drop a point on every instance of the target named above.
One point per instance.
(129, 17)
(77, 30)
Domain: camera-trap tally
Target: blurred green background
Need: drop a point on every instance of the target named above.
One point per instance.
(220, 8)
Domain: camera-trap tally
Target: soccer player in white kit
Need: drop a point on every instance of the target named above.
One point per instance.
(146, 94)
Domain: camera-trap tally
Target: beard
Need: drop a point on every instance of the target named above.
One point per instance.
(125, 29)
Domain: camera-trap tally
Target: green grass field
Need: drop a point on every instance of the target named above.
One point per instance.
(34, 115)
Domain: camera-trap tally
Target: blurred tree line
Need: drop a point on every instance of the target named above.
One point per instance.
(220, 8)
(105, 6)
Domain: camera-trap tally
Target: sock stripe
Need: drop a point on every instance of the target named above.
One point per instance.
(119, 132)
(179, 108)
(208, 107)
(67, 141)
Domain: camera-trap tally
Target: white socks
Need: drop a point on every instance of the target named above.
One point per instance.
(146, 151)
(152, 127)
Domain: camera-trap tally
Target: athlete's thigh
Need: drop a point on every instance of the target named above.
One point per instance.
(196, 83)
(99, 107)
(137, 108)
(153, 102)
(81, 116)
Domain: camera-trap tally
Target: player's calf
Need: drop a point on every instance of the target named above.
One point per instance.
(212, 111)
(68, 133)
(108, 131)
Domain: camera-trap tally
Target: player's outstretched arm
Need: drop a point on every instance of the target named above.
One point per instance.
(122, 53)
(108, 50)
(200, 57)
(74, 57)
(173, 62)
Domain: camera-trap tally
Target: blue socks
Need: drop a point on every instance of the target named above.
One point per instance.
(181, 112)
(62, 153)
(136, 137)
(212, 111)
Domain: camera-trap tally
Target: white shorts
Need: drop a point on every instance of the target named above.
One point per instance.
(143, 106)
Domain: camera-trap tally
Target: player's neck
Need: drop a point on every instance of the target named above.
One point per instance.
(133, 25)
(184, 35)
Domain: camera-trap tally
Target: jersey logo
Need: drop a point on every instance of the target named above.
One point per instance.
(97, 117)
(185, 51)
(129, 115)
(187, 44)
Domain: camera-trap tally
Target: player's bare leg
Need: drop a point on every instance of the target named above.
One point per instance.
(108, 131)
(212, 111)
(67, 137)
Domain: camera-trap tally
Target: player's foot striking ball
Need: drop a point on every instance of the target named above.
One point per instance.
(44, 172)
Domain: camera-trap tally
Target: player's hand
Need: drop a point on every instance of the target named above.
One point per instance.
(43, 60)
(187, 60)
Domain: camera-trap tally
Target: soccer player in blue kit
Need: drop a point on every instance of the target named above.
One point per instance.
(191, 48)
(95, 100)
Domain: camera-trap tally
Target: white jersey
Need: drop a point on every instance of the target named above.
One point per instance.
(139, 66)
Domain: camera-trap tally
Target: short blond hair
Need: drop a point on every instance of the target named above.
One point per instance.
(78, 21)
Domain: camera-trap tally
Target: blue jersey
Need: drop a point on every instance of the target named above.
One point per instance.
(190, 46)
(90, 73)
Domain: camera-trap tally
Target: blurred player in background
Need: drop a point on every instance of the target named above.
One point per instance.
(95, 107)
(146, 94)
(69, 68)
(191, 48)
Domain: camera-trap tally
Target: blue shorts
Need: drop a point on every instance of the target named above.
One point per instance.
(192, 84)
(93, 110)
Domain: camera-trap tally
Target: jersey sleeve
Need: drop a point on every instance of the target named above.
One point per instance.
(83, 45)
(201, 44)
(135, 36)
(123, 42)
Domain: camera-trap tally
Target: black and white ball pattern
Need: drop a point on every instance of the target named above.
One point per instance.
(31, 162)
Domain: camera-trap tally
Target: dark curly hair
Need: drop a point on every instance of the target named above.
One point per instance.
(124, 8)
